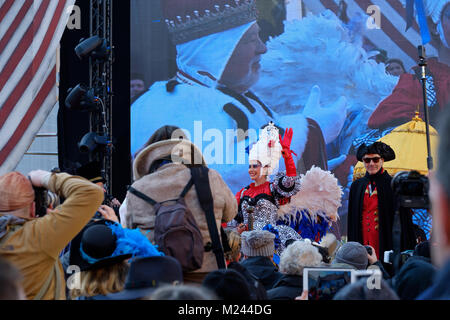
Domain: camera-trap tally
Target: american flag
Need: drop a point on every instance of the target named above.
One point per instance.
(391, 36)
(30, 32)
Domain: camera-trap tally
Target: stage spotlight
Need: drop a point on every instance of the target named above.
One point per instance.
(94, 46)
(82, 99)
(91, 141)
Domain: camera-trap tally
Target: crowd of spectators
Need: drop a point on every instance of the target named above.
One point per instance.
(82, 251)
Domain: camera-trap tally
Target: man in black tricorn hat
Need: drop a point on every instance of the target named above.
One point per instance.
(371, 205)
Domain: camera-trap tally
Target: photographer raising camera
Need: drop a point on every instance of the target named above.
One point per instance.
(33, 244)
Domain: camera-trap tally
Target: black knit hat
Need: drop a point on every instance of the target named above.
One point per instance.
(380, 148)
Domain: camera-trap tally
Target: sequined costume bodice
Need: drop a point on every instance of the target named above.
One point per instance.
(258, 205)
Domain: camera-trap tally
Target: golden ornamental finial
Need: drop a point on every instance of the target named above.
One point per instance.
(416, 117)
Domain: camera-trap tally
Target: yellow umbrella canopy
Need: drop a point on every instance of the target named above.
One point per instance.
(410, 145)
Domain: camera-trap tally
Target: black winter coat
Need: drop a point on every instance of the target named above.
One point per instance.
(440, 290)
(287, 288)
(386, 211)
(263, 269)
(257, 290)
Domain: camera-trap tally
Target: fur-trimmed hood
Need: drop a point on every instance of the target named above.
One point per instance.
(166, 183)
(179, 150)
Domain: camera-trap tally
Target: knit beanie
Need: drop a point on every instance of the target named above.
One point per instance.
(16, 192)
(258, 243)
(353, 253)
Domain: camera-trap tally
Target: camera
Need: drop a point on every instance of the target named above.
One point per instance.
(369, 250)
(41, 200)
(44, 198)
(404, 256)
(411, 189)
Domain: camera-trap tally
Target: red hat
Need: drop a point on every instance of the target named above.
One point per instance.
(16, 192)
(193, 19)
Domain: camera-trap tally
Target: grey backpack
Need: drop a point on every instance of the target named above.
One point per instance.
(176, 231)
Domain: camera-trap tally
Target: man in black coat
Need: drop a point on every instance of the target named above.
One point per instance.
(371, 205)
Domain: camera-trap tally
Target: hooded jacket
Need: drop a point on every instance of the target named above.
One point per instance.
(34, 245)
(166, 183)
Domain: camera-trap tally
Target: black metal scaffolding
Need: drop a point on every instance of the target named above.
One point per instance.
(108, 118)
(101, 79)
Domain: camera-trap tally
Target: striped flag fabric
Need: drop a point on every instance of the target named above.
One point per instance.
(391, 36)
(30, 32)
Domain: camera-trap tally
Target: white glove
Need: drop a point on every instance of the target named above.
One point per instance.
(40, 178)
(331, 118)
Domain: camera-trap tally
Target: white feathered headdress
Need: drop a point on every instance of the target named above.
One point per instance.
(268, 148)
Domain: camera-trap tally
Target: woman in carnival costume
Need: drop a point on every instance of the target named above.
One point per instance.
(276, 205)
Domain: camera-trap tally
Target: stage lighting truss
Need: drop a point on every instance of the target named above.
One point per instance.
(92, 142)
(97, 97)
(101, 79)
(82, 98)
(93, 47)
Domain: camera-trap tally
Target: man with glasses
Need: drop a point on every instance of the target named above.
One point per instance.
(371, 203)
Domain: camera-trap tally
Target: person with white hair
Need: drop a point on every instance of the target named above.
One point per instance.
(296, 257)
